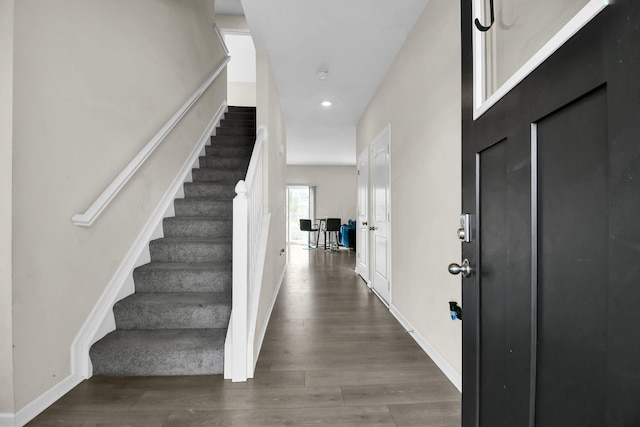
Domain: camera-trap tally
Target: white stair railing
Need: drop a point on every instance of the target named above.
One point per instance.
(250, 228)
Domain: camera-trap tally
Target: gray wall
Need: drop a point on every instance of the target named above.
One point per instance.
(335, 188)
(420, 96)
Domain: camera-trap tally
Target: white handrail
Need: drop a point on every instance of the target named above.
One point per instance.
(255, 162)
(87, 218)
(249, 242)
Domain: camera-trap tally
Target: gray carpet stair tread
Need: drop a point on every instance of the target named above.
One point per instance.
(205, 199)
(194, 226)
(190, 249)
(241, 140)
(204, 206)
(228, 150)
(193, 266)
(173, 310)
(213, 240)
(212, 190)
(225, 163)
(218, 175)
(183, 276)
(160, 352)
(238, 122)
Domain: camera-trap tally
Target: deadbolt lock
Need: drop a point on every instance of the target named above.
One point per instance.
(464, 232)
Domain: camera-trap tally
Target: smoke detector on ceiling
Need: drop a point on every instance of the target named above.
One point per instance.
(323, 74)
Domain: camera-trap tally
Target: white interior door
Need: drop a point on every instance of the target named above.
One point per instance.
(362, 238)
(381, 215)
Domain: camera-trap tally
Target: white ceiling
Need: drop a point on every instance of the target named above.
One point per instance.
(355, 40)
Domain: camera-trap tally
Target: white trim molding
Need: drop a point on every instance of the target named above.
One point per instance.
(7, 420)
(482, 102)
(99, 322)
(46, 399)
(236, 31)
(87, 218)
(454, 376)
(216, 29)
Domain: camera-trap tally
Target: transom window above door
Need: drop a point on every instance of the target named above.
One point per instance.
(512, 37)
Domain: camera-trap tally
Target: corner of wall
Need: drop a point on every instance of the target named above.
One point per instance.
(450, 372)
(7, 420)
(7, 404)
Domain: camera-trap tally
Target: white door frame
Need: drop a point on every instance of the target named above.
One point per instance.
(362, 225)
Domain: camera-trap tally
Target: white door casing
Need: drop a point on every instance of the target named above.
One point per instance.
(380, 218)
(362, 226)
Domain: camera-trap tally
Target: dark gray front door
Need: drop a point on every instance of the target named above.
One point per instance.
(551, 176)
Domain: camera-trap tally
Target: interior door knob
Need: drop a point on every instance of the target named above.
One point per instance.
(373, 228)
(465, 268)
(365, 223)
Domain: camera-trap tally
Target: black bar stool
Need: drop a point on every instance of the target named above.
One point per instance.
(308, 226)
(333, 228)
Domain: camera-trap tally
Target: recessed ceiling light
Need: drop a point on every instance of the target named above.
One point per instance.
(326, 103)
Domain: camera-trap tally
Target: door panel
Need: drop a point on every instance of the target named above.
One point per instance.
(551, 174)
(505, 296)
(573, 268)
(380, 218)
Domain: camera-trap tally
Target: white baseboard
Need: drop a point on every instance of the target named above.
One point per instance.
(446, 368)
(7, 420)
(263, 330)
(100, 321)
(46, 399)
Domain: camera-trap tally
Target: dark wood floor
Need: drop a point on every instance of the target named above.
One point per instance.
(333, 356)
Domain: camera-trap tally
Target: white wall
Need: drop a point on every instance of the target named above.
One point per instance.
(335, 188)
(274, 163)
(421, 98)
(6, 149)
(93, 82)
(240, 92)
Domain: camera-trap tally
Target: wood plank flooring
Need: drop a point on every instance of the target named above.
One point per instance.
(333, 355)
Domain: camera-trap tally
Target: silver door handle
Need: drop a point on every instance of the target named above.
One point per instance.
(465, 268)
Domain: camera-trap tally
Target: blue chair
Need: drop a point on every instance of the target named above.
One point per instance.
(348, 235)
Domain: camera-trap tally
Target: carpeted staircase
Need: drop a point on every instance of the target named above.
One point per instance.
(176, 321)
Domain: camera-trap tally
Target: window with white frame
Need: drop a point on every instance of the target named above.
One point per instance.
(512, 37)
